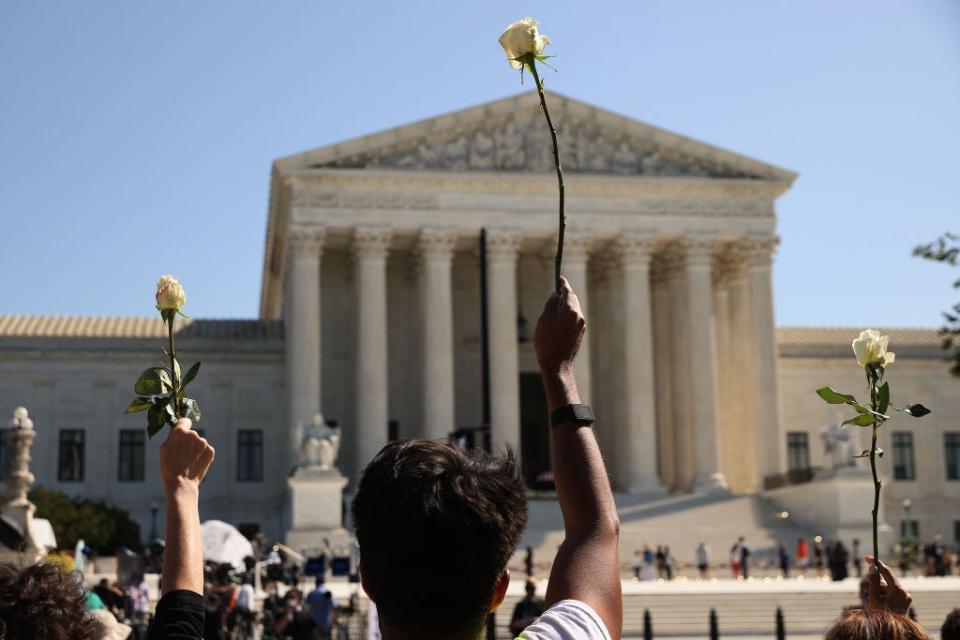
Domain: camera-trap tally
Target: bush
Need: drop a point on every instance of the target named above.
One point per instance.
(102, 527)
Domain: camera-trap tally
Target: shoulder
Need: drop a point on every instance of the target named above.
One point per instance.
(567, 620)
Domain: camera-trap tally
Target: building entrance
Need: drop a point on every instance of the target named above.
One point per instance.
(534, 433)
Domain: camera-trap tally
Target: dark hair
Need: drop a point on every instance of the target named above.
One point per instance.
(859, 624)
(38, 601)
(951, 626)
(436, 526)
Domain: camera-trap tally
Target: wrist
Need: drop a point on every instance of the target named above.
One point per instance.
(560, 386)
(180, 489)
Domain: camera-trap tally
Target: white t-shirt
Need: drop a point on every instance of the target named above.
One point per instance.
(567, 620)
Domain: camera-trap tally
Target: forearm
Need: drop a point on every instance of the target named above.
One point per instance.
(183, 554)
(587, 566)
(583, 489)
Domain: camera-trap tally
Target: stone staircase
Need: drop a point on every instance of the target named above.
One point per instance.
(748, 608)
(681, 521)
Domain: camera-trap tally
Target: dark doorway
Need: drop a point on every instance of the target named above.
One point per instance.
(534, 433)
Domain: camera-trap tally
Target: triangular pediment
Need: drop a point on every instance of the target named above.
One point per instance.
(511, 135)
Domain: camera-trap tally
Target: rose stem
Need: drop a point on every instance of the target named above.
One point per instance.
(876, 492)
(171, 315)
(873, 463)
(556, 161)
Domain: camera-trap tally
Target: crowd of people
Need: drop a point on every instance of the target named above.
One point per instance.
(436, 526)
(817, 557)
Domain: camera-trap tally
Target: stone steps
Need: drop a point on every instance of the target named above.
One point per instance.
(745, 609)
(681, 521)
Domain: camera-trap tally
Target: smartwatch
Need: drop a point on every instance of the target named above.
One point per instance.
(578, 414)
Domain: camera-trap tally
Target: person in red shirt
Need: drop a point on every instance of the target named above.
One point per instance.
(803, 556)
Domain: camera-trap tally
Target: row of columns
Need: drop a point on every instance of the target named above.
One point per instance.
(693, 323)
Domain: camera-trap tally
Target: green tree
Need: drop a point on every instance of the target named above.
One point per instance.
(946, 249)
(101, 526)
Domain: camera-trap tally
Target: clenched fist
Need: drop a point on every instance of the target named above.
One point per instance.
(185, 457)
(560, 330)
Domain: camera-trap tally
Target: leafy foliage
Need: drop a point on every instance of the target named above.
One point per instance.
(946, 249)
(101, 526)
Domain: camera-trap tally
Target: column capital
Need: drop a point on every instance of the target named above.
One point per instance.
(635, 247)
(436, 243)
(605, 267)
(659, 269)
(728, 261)
(304, 241)
(699, 250)
(503, 244)
(759, 251)
(672, 259)
(371, 242)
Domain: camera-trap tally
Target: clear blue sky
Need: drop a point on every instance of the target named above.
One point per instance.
(136, 138)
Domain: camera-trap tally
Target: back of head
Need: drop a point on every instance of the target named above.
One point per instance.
(38, 601)
(436, 527)
(874, 624)
(951, 626)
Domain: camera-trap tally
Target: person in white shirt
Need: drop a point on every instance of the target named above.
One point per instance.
(703, 560)
(436, 525)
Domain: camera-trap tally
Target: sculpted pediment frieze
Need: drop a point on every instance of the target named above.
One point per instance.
(520, 142)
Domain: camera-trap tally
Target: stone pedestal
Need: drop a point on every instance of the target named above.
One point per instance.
(18, 511)
(314, 508)
(836, 504)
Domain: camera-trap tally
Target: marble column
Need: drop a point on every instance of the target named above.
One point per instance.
(605, 314)
(302, 327)
(771, 447)
(660, 302)
(370, 247)
(435, 248)
(502, 247)
(702, 367)
(674, 258)
(637, 444)
(576, 248)
(727, 429)
(742, 402)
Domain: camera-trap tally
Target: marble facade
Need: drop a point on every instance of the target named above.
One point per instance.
(660, 225)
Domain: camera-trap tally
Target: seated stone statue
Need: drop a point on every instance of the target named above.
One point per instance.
(839, 446)
(320, 445)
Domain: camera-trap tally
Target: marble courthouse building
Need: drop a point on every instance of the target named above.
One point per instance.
(371, 315)
(372, 263)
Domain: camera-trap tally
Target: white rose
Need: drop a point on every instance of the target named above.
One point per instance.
(522, 38)
(170, 294)
(871, 348)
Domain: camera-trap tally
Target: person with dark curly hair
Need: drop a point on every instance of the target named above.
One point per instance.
(436, 525)
(39, 601)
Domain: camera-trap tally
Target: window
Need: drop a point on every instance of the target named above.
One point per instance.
(132, 443)
(798, 451)
(71, 455)
(903, 456)
(951, 448)
(250, 455)
(909, 530)
(4, 454)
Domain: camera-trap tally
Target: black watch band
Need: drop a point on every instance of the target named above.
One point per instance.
(579, 414)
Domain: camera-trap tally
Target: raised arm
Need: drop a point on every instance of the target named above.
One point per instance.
(184, 460)
(587, 566)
